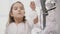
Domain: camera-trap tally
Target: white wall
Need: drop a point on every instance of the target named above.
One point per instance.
(4, 9)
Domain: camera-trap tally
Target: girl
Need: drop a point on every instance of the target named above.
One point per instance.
(17, 23)
(33, 18)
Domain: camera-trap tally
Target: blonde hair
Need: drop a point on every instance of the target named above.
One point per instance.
(11, 19)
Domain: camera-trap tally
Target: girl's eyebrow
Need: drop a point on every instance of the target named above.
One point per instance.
(22, 7)
(15, 7)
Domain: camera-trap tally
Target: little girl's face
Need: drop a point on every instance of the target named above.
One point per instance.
(18, 10)
(32, 5)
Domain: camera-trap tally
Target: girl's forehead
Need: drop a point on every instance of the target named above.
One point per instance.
(17, 5)
(32, 2)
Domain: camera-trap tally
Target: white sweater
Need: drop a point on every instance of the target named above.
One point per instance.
(21, 28)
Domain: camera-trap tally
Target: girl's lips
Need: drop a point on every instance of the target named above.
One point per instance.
(19, 13)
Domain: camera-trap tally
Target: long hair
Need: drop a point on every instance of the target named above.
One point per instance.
(11, 19)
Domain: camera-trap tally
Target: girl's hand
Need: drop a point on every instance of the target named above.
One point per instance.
(35, 20)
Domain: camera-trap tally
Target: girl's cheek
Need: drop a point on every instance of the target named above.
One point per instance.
(14, 11)
(23, 12)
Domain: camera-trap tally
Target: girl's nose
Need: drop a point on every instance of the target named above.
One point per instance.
(19, 10)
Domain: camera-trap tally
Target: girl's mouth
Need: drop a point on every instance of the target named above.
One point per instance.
(19, 13)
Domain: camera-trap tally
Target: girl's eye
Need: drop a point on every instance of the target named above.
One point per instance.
(15, 8)
(21, 8)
